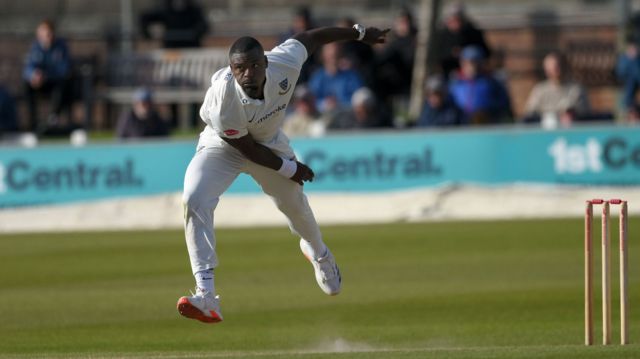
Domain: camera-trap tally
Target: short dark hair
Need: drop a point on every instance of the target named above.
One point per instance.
(304, 12)
(244, 44)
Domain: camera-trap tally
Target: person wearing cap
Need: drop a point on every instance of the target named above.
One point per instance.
(439, 110)
(142, 120)
(456, 33)
(364, 113)
(304, 120)
(482, 98)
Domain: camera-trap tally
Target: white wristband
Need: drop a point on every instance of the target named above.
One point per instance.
(288, 168)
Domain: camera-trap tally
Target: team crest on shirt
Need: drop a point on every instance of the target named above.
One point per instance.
(285, 86)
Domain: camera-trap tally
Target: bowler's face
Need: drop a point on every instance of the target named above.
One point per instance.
(250, 71)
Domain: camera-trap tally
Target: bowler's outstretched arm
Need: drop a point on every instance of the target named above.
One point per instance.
(313, 39)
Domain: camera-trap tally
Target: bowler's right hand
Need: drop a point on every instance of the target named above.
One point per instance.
(303, 174)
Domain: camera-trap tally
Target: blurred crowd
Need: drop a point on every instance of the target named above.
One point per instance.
(344, 86)
(353, 86)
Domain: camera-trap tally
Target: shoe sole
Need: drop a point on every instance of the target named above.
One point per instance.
(186, 309)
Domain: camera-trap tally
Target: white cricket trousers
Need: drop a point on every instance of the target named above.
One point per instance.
(210, 172)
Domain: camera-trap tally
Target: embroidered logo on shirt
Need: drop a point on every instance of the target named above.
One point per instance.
(228, 76)
(231, 132)
(285, 86)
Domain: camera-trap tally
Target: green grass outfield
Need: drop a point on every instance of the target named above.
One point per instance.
(511, 289)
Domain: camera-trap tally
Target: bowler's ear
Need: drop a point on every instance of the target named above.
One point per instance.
(266, 61)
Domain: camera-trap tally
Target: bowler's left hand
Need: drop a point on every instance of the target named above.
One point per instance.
(373, 36)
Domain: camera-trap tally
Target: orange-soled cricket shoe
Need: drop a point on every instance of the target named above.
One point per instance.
(202, 306)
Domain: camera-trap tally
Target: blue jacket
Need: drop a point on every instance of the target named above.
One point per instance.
(342, 85)
(628, 71)
(447, 115)
(53, 62)
(481, 94)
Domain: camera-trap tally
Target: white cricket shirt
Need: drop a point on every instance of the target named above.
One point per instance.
(229, 112)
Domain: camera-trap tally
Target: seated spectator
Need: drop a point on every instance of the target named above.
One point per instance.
(8, 118)
(457, 32)
(395, 61)
(357, 55)
(331, 85)
(364, 113)
(556, 100)
(47, 72)
(305, 120)
(183, 24)
(439, 109)
(142, 120)
(628, 72)
(482, 98)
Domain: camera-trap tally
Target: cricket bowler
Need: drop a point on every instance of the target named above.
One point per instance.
(244, 109)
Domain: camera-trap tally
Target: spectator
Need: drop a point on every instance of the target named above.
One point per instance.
(395, 61)
(364, 113)
(556, 100)
(628, 72)
(358, 55)
(47, 72)
(331, 85)
(183, 24)
(142, 120)
(482, 98)
(632, 28)
(457, 32)
(305, 120)
(302, 21)
(8, 118)
(439, 109)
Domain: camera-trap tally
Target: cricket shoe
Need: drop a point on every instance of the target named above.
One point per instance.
(327, 272)
(202, 306)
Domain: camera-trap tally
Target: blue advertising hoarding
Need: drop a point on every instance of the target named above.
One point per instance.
(357, 162)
